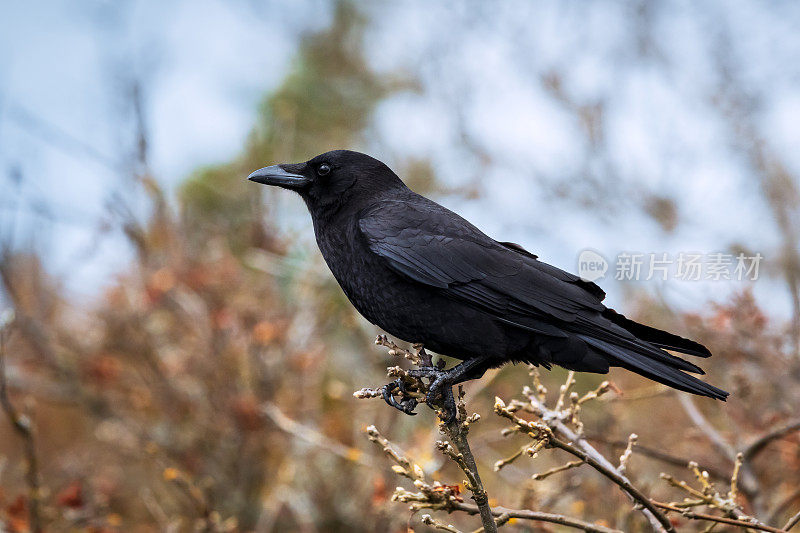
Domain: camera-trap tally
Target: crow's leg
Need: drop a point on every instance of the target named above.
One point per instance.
(442, 381)
(406, 405)
(474, 372)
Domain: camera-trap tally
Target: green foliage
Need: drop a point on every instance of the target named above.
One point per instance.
(325, 103)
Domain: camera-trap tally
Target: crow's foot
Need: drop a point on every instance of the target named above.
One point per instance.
(440, 389)
(406, 404)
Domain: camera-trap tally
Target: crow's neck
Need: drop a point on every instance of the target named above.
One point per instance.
(339, 210)
(336, 228)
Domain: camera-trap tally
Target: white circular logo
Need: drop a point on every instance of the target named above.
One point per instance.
(591, 265)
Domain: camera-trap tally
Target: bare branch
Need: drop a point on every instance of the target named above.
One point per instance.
(312, 436)
(626, 455)
(437, 496)
(428, 520)
(457, 445)
(23, 427)
(727, 451)
(708, 495)
(705, 426)
(758, 445)
(539, 517)
(540, 430)
(721, 520)
(737, 466)
(793, 521)
(556, 470)
(658, 455)
(456, 431)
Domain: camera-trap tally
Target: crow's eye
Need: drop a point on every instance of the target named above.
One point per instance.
(324, 169)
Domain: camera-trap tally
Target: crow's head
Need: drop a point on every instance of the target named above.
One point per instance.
(332, 179)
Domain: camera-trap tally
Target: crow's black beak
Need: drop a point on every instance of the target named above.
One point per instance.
(275, 175)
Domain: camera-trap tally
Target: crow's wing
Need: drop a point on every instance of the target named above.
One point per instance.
(434, 246)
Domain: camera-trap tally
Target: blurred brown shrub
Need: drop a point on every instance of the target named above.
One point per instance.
(210, 387)
(150, 408)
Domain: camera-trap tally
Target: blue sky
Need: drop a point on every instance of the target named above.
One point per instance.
(64, 120)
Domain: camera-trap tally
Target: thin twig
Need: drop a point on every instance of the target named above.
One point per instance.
(539, 517)
(579, 447)
(705, 426)
(658, 455)
(758, 445)
(619, 479)
(747, 477)
(568, 466)
(407, 469)
(626, 455)
(783, 505)
(428, 520)
(22, 425)
(793, 521)
(562, 392)
(722, 520)
(737, 466)
(313, 436)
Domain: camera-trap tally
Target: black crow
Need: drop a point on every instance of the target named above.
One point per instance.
(426, 275)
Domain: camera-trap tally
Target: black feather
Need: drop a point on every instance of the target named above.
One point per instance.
(424, 274)
(662, 339)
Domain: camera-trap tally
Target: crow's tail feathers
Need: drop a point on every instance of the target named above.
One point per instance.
(657, 337)
(661, 370)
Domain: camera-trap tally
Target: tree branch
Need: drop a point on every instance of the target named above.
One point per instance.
(456, 432)
(659, 455)
(758, 445)
(22, 426)
(539, 517)
(793, 521)
(577, 446)
(313, 436)
(719, 519)
(437, 496)
(705, 426)
(748, 479)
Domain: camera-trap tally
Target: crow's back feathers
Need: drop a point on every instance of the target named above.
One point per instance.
(424, 274)
(432, 246)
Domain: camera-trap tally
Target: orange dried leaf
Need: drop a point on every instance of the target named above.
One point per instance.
(265, 332)
(71, 495)
(171, 474)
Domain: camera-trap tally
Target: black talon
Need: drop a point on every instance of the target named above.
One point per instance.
(386, 392)
(408, 402)
(407, 405)
(440, 387)
(401, 386)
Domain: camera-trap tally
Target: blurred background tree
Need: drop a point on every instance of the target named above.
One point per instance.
(184, 355)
